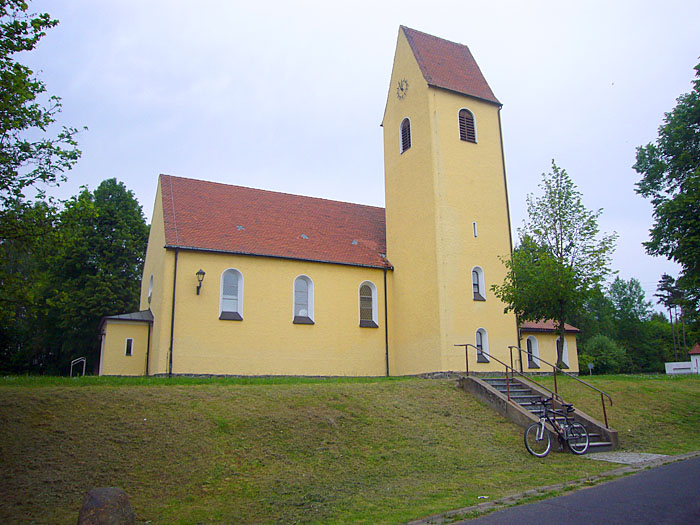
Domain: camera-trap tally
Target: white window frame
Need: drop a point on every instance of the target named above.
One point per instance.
(129, 348)
(227, 315)
(482, 358)
(373, 288)
(482, 283)
(410, 135)
(308, 319)
(459, 134)
(534, 359)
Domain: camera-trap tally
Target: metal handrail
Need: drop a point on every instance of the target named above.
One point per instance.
(508, 380)
(555, 368)
(75, 362)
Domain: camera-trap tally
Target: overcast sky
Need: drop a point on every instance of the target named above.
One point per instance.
(289, 96)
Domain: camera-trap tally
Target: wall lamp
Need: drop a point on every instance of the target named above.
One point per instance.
(200, 277)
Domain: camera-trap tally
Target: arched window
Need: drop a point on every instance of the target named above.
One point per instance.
(150, 289)
(478, 284)
(303, 300)
(467, 127)
(231, 303)
(368, 305)
(482, 344)
(405, 134)
(533, 352)
(564, 354)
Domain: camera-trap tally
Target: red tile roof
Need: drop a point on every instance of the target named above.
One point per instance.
(695, 350)
(545, 326)
(210, 216)
(448, 65)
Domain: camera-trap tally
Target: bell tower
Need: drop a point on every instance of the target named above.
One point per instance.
(447, 217)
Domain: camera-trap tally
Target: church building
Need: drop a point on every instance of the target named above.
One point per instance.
(240, 281)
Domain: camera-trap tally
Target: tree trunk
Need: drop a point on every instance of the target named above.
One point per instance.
(673, 334)
(560, 343)
(685, 346)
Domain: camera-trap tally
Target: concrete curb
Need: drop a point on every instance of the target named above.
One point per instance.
(514, 499)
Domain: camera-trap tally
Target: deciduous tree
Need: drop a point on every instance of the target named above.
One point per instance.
(561, 258)
(670, 169)
(30, 154)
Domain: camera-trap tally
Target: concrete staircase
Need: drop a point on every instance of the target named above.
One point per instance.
(521, 410)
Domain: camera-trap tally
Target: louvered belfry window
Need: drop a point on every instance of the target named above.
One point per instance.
(405, 134)
(365, 303)
(467, 131)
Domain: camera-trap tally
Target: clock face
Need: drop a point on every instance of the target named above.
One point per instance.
(402, 88)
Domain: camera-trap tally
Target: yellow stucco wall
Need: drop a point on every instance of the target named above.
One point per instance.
(547, 347)
(435, 191)
(266, 341)
(113, 360)
(159, 264)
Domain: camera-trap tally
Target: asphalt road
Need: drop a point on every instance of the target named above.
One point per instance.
(666, 494)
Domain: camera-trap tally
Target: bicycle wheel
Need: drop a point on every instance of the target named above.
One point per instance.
(537, 440)
(578, 438)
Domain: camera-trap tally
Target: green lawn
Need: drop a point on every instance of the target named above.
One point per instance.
(295, 450)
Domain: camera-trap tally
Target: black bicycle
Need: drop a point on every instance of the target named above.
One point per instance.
(537, 437)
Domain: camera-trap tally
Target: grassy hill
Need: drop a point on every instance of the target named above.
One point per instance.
(295, 450)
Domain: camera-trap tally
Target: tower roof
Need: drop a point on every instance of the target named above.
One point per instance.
(208, 216)
(448, 65)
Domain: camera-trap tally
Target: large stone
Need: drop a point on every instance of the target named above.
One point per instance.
(106, 506)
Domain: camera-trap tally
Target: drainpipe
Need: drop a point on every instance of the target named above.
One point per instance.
(148, 346)
(172, 319)
(386, 326)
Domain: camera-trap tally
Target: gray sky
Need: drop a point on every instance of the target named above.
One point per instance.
(289, 96)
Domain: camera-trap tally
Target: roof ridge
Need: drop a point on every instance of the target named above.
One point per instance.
(433, 36)
(447, 64)
(271, 191)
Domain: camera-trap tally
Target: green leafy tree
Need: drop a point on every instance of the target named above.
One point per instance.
(96, 267)
(596, 317)
(670, 169)
(629, 300)
(608, 357)
(22, 277)
(561, 258)
(30, 156)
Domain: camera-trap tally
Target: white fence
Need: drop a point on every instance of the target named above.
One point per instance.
(686, 367)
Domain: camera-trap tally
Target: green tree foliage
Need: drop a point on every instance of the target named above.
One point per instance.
(30, 156)
(607, 356)
(670, 169)
(22, 276)
(97, 265)
(629, 300)
(596, 317)
(561, 259)
(87, 265)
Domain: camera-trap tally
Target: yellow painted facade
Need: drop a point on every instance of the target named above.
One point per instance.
(437, 191)
(446, 214)
(114, 359)
(544, 345)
